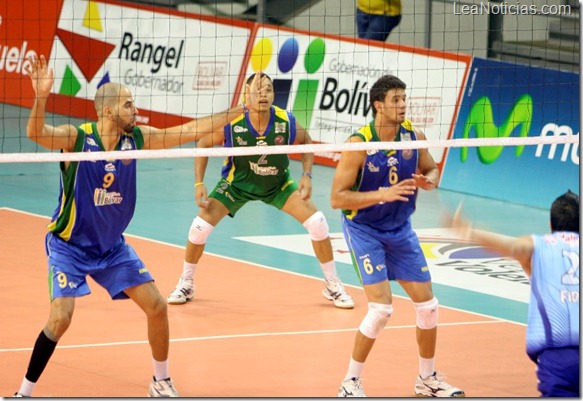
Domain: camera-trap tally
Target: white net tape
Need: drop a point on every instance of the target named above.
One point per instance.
(313, 148)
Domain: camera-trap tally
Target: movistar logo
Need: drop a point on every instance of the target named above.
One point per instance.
(481, 119)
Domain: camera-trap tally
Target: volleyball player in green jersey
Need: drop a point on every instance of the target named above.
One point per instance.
(263, 178)
(96, 204)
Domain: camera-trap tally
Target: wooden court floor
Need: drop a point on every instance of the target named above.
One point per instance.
(252, 331)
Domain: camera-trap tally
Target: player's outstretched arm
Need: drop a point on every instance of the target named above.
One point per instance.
(194, 130)
(42, 79)
(520, 248)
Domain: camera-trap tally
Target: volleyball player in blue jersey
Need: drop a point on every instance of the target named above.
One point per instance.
(552, 264)
(96, 204)
(376, 190)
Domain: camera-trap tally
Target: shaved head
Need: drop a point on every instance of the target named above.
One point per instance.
(108, 95)
(114, 103)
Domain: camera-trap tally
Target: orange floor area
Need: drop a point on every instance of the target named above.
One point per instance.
(251, 332)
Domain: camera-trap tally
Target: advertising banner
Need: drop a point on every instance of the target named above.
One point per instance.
(511, 100)
(325, 80)
(26, 30)
(178, 66)
(174, 64)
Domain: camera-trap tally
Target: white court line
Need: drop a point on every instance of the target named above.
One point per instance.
(251, 335)
(358, 287)
(495, 319)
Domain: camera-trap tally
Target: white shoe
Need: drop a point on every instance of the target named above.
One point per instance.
(183, 293)
(162, 388)
(434, 386)
(334, 291)
(351, 388)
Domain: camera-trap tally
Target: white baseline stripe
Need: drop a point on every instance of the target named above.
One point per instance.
(270, 267)
(183, 247)
(252, 335)
(496, 320)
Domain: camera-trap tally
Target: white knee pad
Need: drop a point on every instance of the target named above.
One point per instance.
(199, 231)
(376, 319)
(317, 226)
(427, 313)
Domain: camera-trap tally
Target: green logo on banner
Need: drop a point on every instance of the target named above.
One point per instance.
(308, 88)
(481, 119)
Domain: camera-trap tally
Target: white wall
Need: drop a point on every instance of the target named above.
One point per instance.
(450, 31)
(463, 34)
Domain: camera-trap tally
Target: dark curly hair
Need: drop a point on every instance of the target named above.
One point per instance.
(565, 213)
(379, 90)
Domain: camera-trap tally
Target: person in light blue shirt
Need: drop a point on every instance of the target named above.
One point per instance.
(552, 263)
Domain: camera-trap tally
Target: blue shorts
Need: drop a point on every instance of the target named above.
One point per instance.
(69, 267)
(385, 255)
(558, 372)
(374, 26)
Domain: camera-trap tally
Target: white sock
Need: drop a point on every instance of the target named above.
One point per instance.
(354, 369)
(329, 269)
(160, 370)
(27, 387)
(426, 367)
(188, 271)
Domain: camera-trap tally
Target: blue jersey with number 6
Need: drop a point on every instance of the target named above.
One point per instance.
(383, 169)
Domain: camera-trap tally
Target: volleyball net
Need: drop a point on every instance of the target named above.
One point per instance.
(287, 149)
(481, 110)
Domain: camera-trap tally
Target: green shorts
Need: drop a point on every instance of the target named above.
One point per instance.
(234, 197)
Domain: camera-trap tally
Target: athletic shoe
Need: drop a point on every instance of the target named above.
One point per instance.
(334, 291)
(162, 388)
(183, 293)
(434, 386)
(351, 388)
(18, 395)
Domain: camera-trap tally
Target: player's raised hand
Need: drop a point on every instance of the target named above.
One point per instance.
(459, 224)
(424, 182)
(399, 191)
(253, 90)
(41, 76)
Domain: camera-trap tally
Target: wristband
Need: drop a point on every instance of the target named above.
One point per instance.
(198, 184)
(307, 174)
